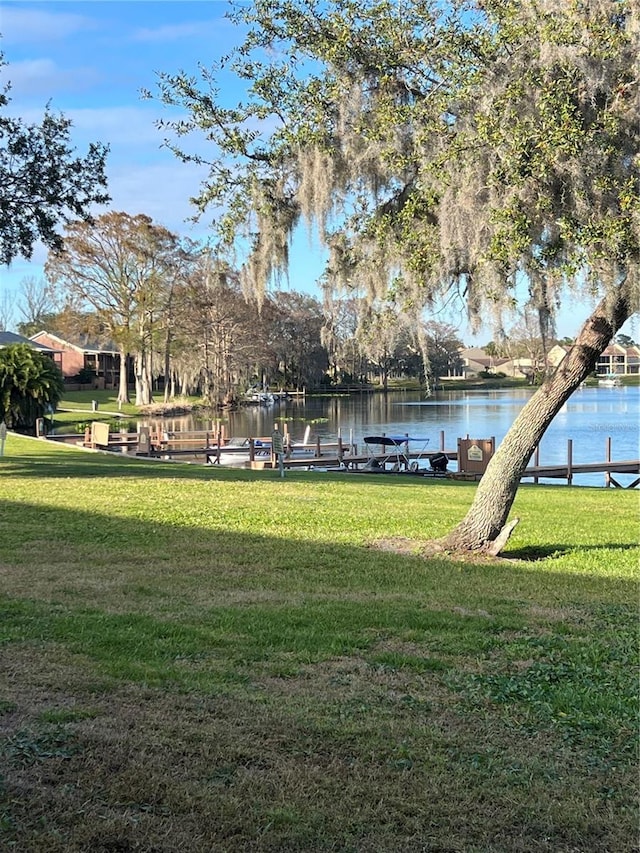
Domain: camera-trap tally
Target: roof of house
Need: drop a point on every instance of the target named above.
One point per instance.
(473, 353)
(8, 339)
(616, 349)
(83, 344)
(477, 356)
(631, 352)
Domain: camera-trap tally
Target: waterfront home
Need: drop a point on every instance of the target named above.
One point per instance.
(84, 356)
(615, 360)
(475, 360)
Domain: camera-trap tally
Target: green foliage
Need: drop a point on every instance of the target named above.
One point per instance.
(122, 425)
(582, 684)
(30, 384)
(42, 183)
(84, 376)
(28, 747)
(432, 145)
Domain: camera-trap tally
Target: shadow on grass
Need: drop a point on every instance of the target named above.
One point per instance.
(364, 690)
(534, 554)
(164, 604)
(59, 463)
(197, 547)
(141, 595)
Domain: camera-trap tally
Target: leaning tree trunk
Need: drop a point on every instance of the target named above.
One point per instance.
(484, 527)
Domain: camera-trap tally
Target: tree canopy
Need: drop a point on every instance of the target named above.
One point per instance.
(436, 146)
(43, 184)
(124, 267)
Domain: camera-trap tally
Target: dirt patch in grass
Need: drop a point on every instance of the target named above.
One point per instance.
(570, 615)
(432, 550)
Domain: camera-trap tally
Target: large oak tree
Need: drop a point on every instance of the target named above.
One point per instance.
(439, 148)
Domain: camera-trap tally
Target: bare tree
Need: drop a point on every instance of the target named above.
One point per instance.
(7, 310)
(122, 267)
(37, 301)
(527, 339)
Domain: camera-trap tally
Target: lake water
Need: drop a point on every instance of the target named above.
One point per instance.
(589, 417)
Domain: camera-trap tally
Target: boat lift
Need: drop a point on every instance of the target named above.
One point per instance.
(393, 451)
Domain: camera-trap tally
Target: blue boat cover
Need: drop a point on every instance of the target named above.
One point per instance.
(392, 440)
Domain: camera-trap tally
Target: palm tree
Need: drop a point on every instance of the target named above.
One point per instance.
(29, 384)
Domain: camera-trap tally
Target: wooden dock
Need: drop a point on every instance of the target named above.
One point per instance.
(216, 449)
(567, 470)
(563, 472)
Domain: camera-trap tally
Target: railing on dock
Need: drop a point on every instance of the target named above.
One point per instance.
(569, 469)
(213, 445)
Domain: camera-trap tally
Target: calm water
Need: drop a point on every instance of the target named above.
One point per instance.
(589, 417)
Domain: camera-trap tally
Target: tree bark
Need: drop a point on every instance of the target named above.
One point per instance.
(487, 516)
(144, 394)
(123, 386)
(168, 378)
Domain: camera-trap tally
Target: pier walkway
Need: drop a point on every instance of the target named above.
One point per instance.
(334, 455)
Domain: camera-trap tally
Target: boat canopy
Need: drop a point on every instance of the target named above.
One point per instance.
(393, 440)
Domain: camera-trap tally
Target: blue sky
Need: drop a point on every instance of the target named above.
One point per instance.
(90, 60)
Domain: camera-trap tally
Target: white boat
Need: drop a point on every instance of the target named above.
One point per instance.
(237, 453)
(264, 397)
(610, 380)
(259, 398)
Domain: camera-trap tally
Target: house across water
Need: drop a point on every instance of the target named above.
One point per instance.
(85, 359)
(616, 360)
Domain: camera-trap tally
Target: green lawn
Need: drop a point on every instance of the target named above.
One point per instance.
(196, 659)
(79, 405)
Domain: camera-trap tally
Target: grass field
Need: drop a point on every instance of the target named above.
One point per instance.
(220, 660)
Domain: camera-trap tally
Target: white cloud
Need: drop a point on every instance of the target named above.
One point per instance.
(27, 26)
(187, 30)
(128, 130)
(132, 135)
(41, 77)
(161, 191)
(121, 125)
